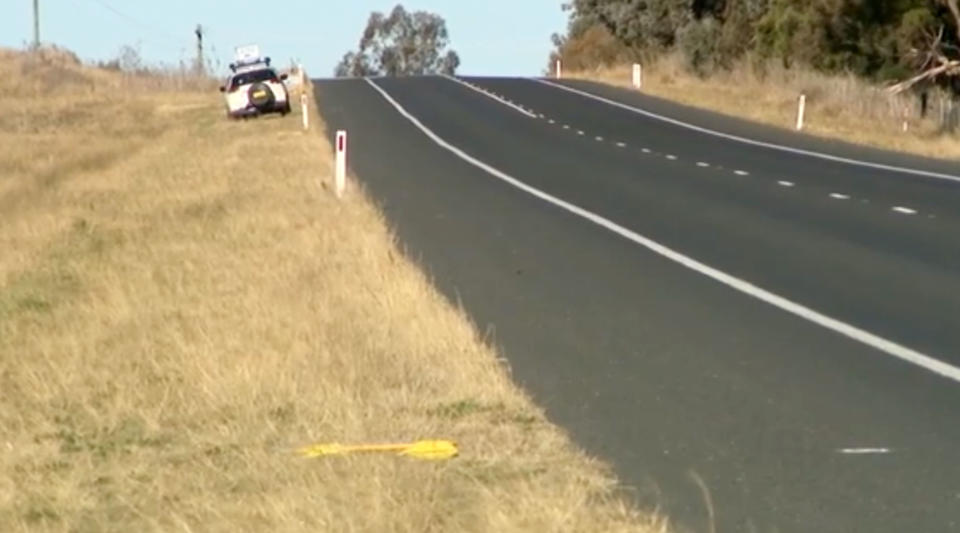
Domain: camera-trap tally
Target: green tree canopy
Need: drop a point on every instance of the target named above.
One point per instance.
(401, 44)
(882, 39)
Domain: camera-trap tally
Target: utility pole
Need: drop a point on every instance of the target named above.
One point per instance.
(36, 24)
(201, 69)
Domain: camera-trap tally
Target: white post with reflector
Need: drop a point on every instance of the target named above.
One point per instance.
(559, 69)
(341, 164)
(801, 111)
(304, 112)
(637, 76)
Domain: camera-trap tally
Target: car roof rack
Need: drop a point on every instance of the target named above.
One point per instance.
(250, 62)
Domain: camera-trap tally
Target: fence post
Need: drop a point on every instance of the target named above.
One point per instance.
(341, 163)
(637, 76)
(801, 111)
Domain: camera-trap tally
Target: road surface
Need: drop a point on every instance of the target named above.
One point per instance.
(743, 321)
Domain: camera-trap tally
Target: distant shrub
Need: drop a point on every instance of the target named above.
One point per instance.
(699, 41)
(592, 49)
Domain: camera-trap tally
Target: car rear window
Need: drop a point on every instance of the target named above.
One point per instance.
(253, 76)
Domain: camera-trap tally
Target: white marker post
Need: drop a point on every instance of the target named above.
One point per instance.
(341, 176)
(559, 69)
(637, 76)
(801, 111)
(304, 112)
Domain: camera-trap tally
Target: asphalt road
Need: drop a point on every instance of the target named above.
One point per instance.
(693, 390)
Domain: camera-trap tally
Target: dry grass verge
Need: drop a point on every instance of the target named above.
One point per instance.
(838, 107)
(182, 304)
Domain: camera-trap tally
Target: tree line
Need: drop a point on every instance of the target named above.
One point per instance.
(878, 39)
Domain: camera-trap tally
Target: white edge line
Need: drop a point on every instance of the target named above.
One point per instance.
(865, 337)
(864, 451)
(810, 153)
(474, 88)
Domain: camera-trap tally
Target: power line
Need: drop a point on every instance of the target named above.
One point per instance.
(129, 18)
(169, 40)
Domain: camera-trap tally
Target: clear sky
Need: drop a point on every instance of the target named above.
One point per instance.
(496, 37)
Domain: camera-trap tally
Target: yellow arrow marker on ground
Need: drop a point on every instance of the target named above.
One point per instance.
(431, 450)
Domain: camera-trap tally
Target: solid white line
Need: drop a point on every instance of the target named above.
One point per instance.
(838, 196)
(786, 183)
(865, 337)
(741, 172)
(905, 210)
(752, 142)
(507, 103)
(865, 451)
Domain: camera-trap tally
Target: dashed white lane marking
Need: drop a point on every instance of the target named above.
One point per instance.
(838, 196)
(905, 210)
(646, 150)
(621, 145)
(741, 172)
(864, 451)
(887, 346)
(566, 126)
(701, 164)
(752, 142)
(552, 121)
(503, 101)
(598, 138)
(672, 157)
(786, 183)
(581, 132)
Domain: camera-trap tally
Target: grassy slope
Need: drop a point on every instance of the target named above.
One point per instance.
(182, 303)
(838, 107)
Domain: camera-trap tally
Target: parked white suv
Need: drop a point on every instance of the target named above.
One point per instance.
(255, 89)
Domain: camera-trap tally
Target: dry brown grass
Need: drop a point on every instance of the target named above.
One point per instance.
(182, 304)
(838, 107)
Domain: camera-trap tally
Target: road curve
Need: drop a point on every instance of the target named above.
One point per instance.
(687, 385)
